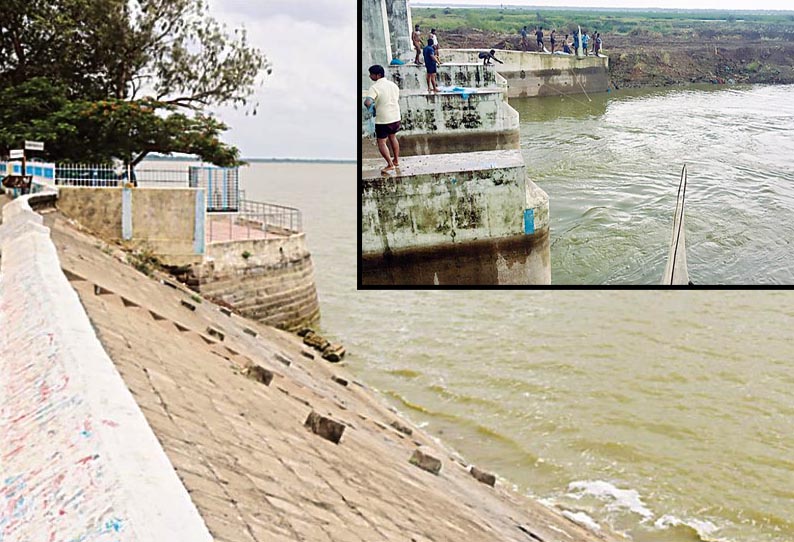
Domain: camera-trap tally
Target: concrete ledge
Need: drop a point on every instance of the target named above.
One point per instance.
(448, 142)
(410, 77)
(541, 74)
(79, 460)
(446, 112)
(470, 218)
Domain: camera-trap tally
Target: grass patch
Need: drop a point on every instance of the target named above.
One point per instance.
(144, 260)
(620, 21)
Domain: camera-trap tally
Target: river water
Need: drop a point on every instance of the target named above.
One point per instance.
(611, 165)
(666, 415)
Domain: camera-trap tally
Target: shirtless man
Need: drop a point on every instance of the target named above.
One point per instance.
(416, 38)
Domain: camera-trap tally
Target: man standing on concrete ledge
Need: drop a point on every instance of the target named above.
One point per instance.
(416, 38)
(431, 63)
(385, 95)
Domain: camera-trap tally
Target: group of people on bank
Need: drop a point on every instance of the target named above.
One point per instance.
(567, 47)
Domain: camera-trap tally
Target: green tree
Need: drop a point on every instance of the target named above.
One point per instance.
(121, 77)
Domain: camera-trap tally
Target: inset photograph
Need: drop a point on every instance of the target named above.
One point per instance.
(533, 145)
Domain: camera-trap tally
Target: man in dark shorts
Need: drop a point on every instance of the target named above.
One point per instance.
(553, 39)
(385, 96)
(431, 63)
(539, 36)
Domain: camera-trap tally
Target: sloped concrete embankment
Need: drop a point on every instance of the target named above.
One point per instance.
(274, 444)
(78, 459)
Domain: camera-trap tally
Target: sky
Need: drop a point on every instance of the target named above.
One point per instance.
(667, 4)
(307, 106)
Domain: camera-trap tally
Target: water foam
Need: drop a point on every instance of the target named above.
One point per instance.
(704, 528)
(582, 519)
(622, 498)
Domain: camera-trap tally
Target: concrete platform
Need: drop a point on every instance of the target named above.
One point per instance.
(542, 74)
(411, 77)
(470, 218)
(221, 229)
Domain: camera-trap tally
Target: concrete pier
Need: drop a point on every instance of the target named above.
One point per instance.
(460, 210)
(470, 218)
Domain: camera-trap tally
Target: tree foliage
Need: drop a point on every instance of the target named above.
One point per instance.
(102, 79)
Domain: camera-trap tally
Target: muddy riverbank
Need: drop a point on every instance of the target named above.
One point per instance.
(643, 58)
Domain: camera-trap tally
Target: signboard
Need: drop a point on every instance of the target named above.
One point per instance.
(17, 153)
(34, 145)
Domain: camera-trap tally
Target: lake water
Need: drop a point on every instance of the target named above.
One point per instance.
(667, 415)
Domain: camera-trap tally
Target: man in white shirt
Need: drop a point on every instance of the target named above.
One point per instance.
(385, 96)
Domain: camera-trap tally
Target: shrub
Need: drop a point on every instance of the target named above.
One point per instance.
(144, 260)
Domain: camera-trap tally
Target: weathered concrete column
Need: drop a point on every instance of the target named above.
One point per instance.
(471, 218)
(375, 37)
(399, 27)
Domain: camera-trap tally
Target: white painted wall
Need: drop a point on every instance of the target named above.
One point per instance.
(79, 460)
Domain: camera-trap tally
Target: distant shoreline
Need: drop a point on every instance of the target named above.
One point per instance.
(257, 160)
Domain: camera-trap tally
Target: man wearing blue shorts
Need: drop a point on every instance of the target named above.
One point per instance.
(431, 63)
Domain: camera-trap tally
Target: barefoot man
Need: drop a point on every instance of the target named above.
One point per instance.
(385, 95)
(416, 38)
(431, 63)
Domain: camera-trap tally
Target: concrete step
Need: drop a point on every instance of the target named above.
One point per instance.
(429, 112)
(447, 164)
(410, 77)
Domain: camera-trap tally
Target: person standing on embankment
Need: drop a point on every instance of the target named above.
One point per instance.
(385, 95)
